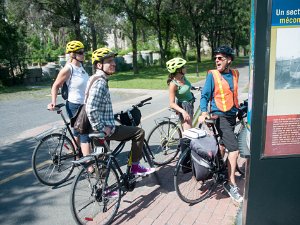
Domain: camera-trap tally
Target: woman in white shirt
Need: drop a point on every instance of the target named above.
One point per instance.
(76, 78)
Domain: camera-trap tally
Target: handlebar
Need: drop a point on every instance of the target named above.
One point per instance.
(58, 106)
(138, 105)
(142, 103)
(196, 88)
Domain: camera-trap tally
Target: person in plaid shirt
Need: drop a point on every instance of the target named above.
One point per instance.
(100, 113)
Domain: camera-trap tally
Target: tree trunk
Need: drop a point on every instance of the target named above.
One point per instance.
(94, 35)
(134, 45)
(198, 45)
(76, 20)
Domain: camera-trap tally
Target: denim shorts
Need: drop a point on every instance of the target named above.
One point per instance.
(71, 109)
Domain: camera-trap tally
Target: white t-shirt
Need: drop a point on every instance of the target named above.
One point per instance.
(77, 84)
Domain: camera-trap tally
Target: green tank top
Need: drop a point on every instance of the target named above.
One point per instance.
(183, 93)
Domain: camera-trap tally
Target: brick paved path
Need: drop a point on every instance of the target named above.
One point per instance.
(160, 205)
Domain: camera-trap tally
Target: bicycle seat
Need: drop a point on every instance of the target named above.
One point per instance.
(212, 120)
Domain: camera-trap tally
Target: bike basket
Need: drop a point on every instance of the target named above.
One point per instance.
(135, 114)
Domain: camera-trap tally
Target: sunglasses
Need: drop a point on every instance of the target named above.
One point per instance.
(220, 58)
(80, 53)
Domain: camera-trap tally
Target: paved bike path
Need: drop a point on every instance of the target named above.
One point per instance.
(33, 203)
(152, 204)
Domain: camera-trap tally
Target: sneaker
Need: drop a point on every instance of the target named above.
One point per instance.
(233, 192)
(111, 194)
(139, 170)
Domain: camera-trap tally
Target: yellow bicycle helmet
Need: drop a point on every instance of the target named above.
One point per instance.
(102, 53)
(74, 46)
(174, 64)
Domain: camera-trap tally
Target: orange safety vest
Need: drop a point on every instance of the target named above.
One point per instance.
(223, 96)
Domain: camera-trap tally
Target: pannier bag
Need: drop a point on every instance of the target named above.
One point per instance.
(201, 167)
(203, 150)
(186, 165)
(206, 144)
(126, 116)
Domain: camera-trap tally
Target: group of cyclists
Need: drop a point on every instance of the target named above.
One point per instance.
(220, 90)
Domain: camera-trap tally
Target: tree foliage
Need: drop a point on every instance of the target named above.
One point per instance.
(38, 30)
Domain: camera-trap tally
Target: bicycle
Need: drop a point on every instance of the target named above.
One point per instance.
(52, 158)
(96, 197)
(187, 187)
(164, 138)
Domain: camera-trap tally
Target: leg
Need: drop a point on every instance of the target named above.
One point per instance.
(232, 162)
(136, 135)
(81, 140)
(189, 108)
(225, 127)
(85, 144)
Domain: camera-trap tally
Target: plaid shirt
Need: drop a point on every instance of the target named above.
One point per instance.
(98, 106)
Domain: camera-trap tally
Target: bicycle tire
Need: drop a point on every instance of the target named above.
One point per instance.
(88, 203)
(163, 146)
(187, 187)
(241, 162)
(52, 159)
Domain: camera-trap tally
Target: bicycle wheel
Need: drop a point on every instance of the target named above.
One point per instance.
(52, 159)
(241, 134)
(187, 187)
(90, 204)
(163, 141)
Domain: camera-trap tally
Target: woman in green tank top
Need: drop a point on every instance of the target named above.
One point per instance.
(180, 89)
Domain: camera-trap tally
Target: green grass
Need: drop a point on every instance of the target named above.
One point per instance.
(153, 77)
(156, 77)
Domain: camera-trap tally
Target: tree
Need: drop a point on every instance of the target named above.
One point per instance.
(158, 14)
(63, 13)
(228, 23)
(196, 14)
(128, 10)
(12, 47)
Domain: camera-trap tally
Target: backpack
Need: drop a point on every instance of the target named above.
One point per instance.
(65, 88)
(203, 151)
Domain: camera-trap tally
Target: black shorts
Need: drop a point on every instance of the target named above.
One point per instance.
(225, 127)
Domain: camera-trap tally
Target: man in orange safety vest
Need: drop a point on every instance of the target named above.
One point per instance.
(221, 90)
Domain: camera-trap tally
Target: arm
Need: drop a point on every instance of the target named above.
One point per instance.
(62, 76)
(206, 94)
